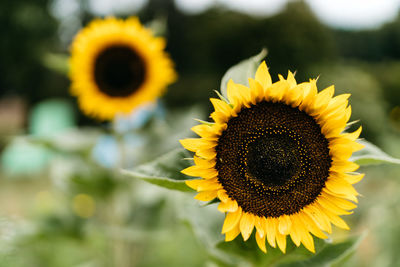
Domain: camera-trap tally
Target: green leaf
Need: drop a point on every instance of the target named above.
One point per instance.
(205, 222)
(327, 254)
(372, 155)
(165, 171)
(242, 71)
(249, 252)
(56, 62)
(330, 254)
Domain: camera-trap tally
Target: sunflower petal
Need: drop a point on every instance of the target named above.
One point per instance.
(260, 225)
(231, 220)
(229, 206)
(285, 224)
(281, 241)
(312, 226)
(262, 75)
(221, 106)
(206, 195)
(270, 230)
(247, 225)
(261, 242)
(232, 234)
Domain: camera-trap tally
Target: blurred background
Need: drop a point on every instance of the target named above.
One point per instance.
(62, 200)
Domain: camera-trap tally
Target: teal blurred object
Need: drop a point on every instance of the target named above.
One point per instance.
(21, 157)
(51, 117)
(47, 119)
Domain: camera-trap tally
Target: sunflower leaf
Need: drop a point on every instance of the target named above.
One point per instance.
(164, 171)
(249, 252)
(240, 72)
(327, 254)
(372, 155)
(331, 254)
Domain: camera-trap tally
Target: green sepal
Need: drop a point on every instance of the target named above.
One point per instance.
(372, 155)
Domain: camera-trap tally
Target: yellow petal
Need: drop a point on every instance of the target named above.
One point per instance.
(219, 117)
(323, 98)
(285, 224)
(270, 230)
(312, 226)
(278, 91)
(209, 185)
(263, 76)
(318, 217)
(197, 171)
(295, 230)
(232, 234)
(232, 92)
(342, 203)
(281, 241)
(354, 178)
(307, 241)
(343, 166)
(206, 195)
(221, 106)
(245, 95)
(291, 80)
(230, 206)
(294, 96)
(261, 242)
(348, 197)
(257, 91)
(223, 196)
(260, 225)
(191, 144)
(195, 144)
(337, 104)
(204, 163)
(340, 186)
(328, 203)
(193, 183)
(310, 93)
(354, 135)
(231, 220)
(207, 153)
(204, 130)
(336, 220)
(247, 225)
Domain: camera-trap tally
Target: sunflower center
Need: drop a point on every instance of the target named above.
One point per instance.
(273, 159)
(119, 71)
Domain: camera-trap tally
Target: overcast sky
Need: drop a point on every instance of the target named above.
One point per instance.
(350, 14)
(338, 13)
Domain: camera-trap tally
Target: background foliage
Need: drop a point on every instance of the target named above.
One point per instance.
(62, 206)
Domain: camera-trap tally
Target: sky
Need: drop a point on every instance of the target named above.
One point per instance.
(349, 14)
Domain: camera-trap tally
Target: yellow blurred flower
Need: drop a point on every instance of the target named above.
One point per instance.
(117, 65)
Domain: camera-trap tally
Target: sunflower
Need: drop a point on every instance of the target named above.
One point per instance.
(117, 65)
(277, 158)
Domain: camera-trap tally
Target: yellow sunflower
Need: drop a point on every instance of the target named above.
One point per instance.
(117, 65)
(277, 158)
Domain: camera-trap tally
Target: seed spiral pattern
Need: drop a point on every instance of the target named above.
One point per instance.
(273, 159)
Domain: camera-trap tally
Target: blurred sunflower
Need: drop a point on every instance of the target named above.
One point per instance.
(117, 65)
(277, 159)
